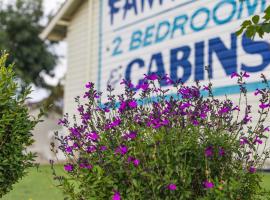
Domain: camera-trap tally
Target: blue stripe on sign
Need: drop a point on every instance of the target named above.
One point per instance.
(218, 91)
(100, 44)
(154, 15)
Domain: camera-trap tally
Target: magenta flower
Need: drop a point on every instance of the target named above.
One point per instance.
(267, 128)
(221, 151)
(171, 186)
(208, 152)
(103, 148)
(224, 110)
(208, 184)
(144, 86)
(243, 141)
(132, 135)
(258, 140)
(203, 115)
(136, 162)
(234, 74)
(85, 166)
(116, 196)
(264, 105)
(68, 149)
(91, 149)
(247, 119)
(252, 169)
(236, 108)
(122, 106)
(257, 92)
(206, 88)
(132, 104)
(246, 75)
(68, 167)
(89, 85)
(121, 150)
(93, 136)
(151, 77)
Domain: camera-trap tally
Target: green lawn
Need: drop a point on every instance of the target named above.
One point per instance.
(39, 185)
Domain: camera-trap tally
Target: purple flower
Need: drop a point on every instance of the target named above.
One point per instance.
(144, 86)
(257, 92)
(236, 108)
(68, 167)
(86, 116)
(208, 152)
(132, 135)
(75, 132)
(252, 169)
(91, 149)
(136, 162)
(93, 136)
(264, 105)
(68, 149)
(266, 129)
(195, 122)
(121, 150)
(246, 75)
(234, 74)
(116, 196)
(103, 148)
(122, 106)
(247, 119)
(224, 110)
(208, 184)
(151, 77)
(85, 166)
(258, 140)
(243, 141)
(81, 109)
(62, 121)
(221, 151)
(206, 88)
(89, 85)
(203, 115)
(171, 186)
(132, 104)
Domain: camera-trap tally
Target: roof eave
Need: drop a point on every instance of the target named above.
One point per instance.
(57, 27)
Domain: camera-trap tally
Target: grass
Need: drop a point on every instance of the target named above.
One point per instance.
(39, 185)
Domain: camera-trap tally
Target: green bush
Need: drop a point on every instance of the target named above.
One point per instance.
(15, 130)
(165, 144)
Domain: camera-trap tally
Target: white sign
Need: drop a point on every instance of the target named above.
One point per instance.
(179, 38)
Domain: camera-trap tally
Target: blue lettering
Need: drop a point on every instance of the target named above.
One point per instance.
(179, 24)
(129, 6)
(138, 62)
(199, 61)
(250, 7)
(160, 36)
(136, 40)
(256, 47)
(217, 10)
(148, 35)
(176, 62)
(157, 60)
(150, 3)
(227, 56)
(197, 13)
(113, 9)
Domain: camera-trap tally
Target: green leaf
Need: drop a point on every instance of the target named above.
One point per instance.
(256, 19)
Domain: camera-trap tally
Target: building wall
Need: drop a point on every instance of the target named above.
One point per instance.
(77, 56)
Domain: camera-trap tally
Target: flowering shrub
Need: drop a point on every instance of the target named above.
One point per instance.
(15, 130)
(188, 145)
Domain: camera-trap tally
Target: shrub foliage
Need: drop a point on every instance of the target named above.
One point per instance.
(15, 130)
(156, 143)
